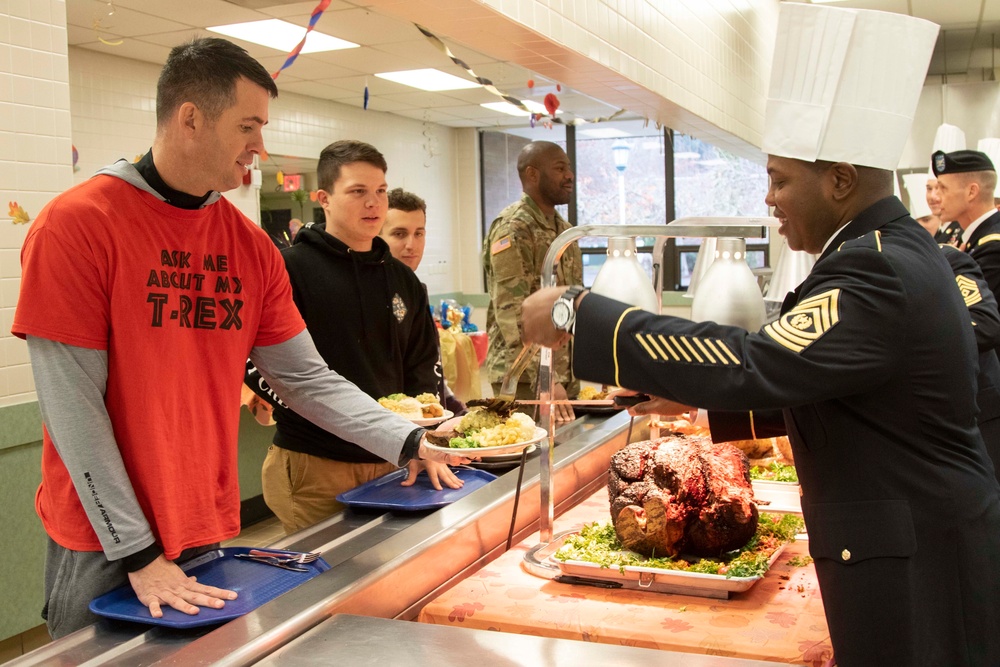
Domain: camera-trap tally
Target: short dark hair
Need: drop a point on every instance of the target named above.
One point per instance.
(401, 200)
(205, 71)
(344, 152)
(532, 153)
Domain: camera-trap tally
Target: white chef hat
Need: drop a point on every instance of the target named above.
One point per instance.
(948, 138)
(845, 84)
(990, 146)
(916, 189)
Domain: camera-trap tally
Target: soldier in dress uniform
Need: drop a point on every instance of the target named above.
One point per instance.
(898, 491)
(513, 253)
(966, 183)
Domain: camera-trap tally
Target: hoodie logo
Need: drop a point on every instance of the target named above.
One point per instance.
(398, 307)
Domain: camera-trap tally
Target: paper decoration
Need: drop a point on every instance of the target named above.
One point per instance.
(313, 19)
(510, 99)
(17, 214)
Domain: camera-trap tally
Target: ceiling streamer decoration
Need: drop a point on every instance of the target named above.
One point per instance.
(99, 27)
(313, 19)
(510, 99)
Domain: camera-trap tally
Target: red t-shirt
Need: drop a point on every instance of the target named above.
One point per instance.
(177, 298)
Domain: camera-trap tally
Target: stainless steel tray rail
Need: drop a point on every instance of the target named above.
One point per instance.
(384, 565)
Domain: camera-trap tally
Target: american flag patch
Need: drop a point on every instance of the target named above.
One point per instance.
(502, 244)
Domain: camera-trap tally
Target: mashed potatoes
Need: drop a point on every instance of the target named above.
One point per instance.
(482, 428)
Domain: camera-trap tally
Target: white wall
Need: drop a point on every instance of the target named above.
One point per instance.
(972, 106)
(35, 153)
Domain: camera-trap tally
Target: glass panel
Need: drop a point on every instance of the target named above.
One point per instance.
(710, 181)
(620, 176)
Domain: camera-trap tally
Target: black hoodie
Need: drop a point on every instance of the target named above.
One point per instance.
(369, 317)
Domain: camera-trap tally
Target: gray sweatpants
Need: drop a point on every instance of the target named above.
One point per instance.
(74, 578)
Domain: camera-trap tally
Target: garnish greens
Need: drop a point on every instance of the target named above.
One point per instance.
(800, 561)
(597, 543)
(775, 472)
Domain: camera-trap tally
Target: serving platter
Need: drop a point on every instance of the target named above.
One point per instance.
(541, 561)
(780, 497)
(512, 448)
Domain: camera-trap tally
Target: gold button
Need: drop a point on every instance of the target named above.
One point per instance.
(845, 554)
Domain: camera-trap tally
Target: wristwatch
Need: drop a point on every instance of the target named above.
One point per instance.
(564, 309)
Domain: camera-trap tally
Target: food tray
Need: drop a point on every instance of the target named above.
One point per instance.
(781, 497)
(657, 580)
(385, 493)
(256, 584)
(512, 448)
(609, 409)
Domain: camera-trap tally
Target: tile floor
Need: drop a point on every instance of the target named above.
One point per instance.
(259, 534)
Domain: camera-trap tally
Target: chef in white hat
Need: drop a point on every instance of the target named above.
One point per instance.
(916, 190)
(898, 492)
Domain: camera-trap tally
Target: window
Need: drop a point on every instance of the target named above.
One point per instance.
(622, 178)
(709, 181)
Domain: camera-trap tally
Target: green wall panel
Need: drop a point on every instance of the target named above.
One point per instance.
(21, 577)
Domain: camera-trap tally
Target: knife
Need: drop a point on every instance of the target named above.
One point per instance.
(583, 581)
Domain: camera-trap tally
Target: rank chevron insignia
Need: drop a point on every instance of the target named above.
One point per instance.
(807, 322)
(969, 289)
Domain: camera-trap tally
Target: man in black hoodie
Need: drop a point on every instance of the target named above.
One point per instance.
(369, 317)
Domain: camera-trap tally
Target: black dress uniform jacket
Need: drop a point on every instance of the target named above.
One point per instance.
(898, 493)
(949, 234)
(984, 247)
(986, 325)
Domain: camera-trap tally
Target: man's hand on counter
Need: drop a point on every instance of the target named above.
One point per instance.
(438, 473)
(162, 582)
(536, 315)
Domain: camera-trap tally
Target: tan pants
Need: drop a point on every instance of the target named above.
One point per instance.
(301, 489)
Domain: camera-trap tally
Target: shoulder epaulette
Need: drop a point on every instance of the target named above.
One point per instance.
(870, 240)
(989, 238)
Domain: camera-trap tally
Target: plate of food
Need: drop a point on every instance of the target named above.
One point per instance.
(592, 395)
(482, 432)
(422, 409)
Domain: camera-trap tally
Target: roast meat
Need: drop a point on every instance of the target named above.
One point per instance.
(682, 494)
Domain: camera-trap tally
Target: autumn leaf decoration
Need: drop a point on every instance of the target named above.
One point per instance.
(17, 214)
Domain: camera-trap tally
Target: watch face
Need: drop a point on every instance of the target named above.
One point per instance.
(560, 314)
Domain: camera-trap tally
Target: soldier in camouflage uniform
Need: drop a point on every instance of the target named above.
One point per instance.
(512, 257)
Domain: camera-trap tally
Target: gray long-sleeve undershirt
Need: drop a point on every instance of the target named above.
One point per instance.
(70, 382)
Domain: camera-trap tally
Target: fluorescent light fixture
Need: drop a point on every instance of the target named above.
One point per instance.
(605, 133)
(823, 2)
(508, 108)
(282, 36)
(428, 79)
(505, 107)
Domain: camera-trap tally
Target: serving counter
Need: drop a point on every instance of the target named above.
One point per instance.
(383, 565)
(780, 618)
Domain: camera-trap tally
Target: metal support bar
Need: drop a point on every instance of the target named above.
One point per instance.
(739, 227)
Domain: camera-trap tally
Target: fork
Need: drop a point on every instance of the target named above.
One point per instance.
(273, 561)
(285, 557)
(508, 388)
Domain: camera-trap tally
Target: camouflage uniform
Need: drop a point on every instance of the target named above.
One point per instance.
(512, 257)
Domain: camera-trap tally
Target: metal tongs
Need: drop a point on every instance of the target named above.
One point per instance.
(503, 401)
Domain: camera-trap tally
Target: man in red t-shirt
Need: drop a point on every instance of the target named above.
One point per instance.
(143, 293)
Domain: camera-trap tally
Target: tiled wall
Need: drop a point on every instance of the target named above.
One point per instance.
(35, 153)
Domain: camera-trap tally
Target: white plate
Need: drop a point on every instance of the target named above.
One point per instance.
(780, 497)
(431, 421)
(490, 451)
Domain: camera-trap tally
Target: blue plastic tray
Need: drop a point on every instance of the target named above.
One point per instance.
(256, 584)
(385, 493)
